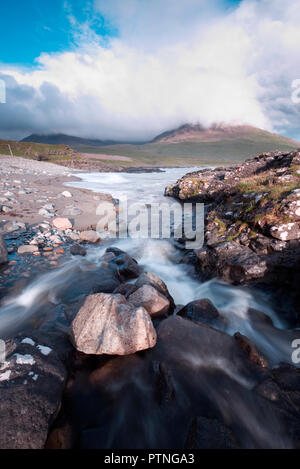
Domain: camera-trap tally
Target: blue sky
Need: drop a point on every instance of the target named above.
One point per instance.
(131, 69)
(32, 27)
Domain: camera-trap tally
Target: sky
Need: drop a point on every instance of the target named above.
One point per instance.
(131, 69)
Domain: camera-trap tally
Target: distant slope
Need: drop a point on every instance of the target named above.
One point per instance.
(189, 145)
(220, 132)
(63, 139)
(40, 151)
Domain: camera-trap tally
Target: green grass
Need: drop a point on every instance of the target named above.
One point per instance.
(218, 153)
(224, 152)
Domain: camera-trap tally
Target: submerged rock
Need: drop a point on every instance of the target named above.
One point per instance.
(3, 251)
(27, 249)
(108, 324)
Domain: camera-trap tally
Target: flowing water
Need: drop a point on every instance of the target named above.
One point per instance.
(163, 259)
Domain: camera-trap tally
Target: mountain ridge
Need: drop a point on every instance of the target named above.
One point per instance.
(182, 134)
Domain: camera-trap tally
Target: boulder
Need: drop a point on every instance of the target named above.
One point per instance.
(126, 266)
(3, 251)
(32, 380)
(62, 224)
(148, 278)
(90, 236)
(108, 324)
(151, 299)
(251, 350)
(200, 311)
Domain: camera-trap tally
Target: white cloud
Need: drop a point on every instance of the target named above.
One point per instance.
(169, 66)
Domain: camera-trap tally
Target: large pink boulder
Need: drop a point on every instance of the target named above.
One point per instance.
(108, 324)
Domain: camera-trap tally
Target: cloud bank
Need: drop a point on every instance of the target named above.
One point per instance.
(173, 62)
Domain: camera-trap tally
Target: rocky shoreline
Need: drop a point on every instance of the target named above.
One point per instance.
(252, 231)
(108, 360)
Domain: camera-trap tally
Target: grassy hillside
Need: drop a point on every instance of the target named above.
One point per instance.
(54, 153)
(225, 151)
(192, 153)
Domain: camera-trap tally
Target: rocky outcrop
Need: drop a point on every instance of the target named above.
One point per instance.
(3, 251)
(32, 380)
(252, 230)
(108, 324)
(202, 391)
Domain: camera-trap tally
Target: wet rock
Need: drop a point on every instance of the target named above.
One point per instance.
(27, 249)
(207, 433)
(126, 266)
(149, 298)
(90, 236)
(200, 311)
(148, 278)
(3, 251)
(251, 350)
(31, 386)
(62, 224)
(125, 289)
(77, 250)
(108, 324)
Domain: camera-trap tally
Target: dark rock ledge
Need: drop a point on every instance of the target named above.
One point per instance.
(252, 231)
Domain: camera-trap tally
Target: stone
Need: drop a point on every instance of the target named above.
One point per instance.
(45, 213)
(151, 299)
(67, 194)
(126, 266)
(31, 387)
(72, 212)
(27, 249)
(286, 231)
(205, 433)
(108, 324)
(251, 350)
(200, 311)
(3, 251)
(148, 278)
(90, 236)
(62, 224)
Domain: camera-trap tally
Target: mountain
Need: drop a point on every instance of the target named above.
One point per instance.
(63, 139)
(188, 145)
(219, 132)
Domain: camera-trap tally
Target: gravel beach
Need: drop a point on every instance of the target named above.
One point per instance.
(33, 192)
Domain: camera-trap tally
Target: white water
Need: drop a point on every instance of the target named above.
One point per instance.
(161, 258)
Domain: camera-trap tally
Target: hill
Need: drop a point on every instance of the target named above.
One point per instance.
(220, 132)
(189, 145)
(71, 140)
